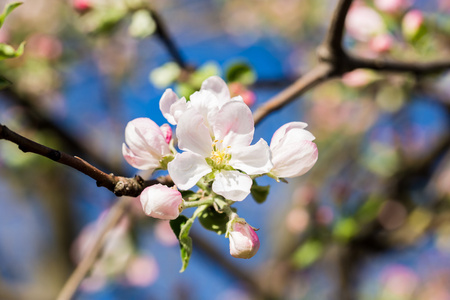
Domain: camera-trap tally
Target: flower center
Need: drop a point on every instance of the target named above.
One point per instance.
(219, 155)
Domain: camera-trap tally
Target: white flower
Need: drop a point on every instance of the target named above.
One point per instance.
(147, 144)
(216, 135)
(161, 202)
(293, 152)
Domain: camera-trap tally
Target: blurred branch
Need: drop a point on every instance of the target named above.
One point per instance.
(121, 186)
(334, 61)
(114, 216)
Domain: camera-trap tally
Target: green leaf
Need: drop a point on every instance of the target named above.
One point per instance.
(181, 227)
(165, 75)
(142, 24)
(307, 254)
(7, 10)
(214, 221)
(7, 51)
(240, 72)
(259, 193)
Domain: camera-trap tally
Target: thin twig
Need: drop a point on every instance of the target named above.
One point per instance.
(113, 217)
(120, 186)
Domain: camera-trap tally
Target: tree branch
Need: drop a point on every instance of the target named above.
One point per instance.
(120, 186)
(114, 216)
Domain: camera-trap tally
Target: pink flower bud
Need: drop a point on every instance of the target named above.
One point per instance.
(167, 132)
(358, 78)
(82, 5)
(146, 144)
(411, 24)
(392, 6)
(161, 202)
(244, 243)
(293, 152)
(238, 89)
(381, 43)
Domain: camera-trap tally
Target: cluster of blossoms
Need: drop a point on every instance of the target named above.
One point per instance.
(214, 133)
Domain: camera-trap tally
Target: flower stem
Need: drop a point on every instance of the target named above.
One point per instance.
(207, 201)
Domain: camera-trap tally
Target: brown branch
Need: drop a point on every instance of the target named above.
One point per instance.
(120, 186)
(113, 217)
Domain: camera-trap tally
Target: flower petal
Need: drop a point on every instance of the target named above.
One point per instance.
(279, 134)
(293, 155)
(167, 100)
(234, 124)
(233, 185)
(253, 159)
(187, 168)
(244, 242)
(143, 135)
(193, 135)
(218, 87)
(142, 162)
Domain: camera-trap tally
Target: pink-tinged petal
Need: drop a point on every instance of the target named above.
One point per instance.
(279, 134)
(232, 185)
(193, 135)
(234, 124)
(162, 202)
(187, 168)
(167, 132)
(293, 155)
(244, 242)
(253, 159)
(218, 87)
(167, 100)
(144, 135)
(141, 162)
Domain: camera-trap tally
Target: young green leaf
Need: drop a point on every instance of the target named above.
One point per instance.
(7, 51)
(259, 193)
(7, 10)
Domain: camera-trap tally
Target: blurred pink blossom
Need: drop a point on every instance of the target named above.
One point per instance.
(142, 271)
(297, 220)
(392, 6)
(238, 89)
(411, 23)
(164, 233)
(381, 43)
(363, 23)
(358, 78)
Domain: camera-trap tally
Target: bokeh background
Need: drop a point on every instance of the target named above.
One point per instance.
(369, 221)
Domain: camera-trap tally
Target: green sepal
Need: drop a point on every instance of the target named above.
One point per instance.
(190, 195)
(181, 227)
(240, 72)
(214, 221)
(7, 51)
(259, 193)
(165, 161)
(7, 10)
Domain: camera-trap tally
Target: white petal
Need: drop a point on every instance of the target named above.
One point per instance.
(167, 100)
(253, 159)
(193, 135)
(218, 87)
(279, 134)
(234, 124)
(293, 155)
(233, 185)
(178, 108)
(160, 201)
(207, 104)
(187, 168)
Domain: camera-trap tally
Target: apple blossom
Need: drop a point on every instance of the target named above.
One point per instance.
(363, 23)
(244, 242)
(381, 43)
(293, 152)
(161, 202)
(218, 140)
(147, 144)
